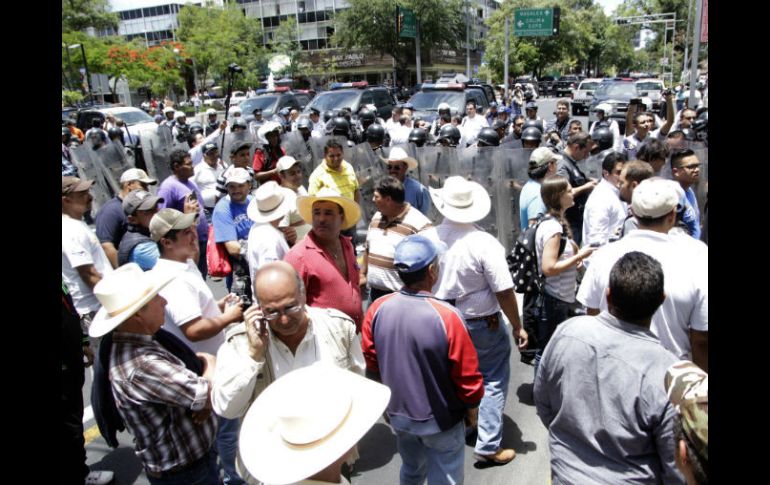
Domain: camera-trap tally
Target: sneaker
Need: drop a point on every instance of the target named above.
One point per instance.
(100, 477)
(503, 456)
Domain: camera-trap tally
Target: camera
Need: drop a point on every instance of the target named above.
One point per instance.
(666, 92)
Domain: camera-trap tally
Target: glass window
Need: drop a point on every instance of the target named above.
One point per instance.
(311, 17)
(367, 98)
(322, 43)
(313, 45)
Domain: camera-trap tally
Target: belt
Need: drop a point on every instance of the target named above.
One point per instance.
(493, 320)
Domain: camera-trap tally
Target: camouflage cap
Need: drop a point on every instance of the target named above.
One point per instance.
(688, 390)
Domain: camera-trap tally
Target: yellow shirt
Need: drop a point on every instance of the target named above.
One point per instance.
(343, 181)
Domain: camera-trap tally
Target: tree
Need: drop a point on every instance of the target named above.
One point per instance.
(78, 15)
(371, 25)
(285, 42)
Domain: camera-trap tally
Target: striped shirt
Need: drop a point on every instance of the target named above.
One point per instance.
(154, 393)
(383, 236)
(222, 188)
(343, 181)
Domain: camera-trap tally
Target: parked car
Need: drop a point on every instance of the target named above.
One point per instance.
(545, 85)
(565, 85)
(136, 119)
(456, 95)
(489, 91)
(581, 97)
(653, 89)
(354, 95)
(271, 102)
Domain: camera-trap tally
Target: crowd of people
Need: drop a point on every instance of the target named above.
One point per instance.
(278, 380)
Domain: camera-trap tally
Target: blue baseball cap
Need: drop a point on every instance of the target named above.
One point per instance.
(415, 252)
(506, 109)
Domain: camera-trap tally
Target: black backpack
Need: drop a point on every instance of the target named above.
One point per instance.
(522, 262)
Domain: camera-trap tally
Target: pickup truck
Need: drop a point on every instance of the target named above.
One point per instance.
(565, 85)
(583, 95)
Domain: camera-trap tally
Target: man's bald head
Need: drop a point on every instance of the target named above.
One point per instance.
(278, 277)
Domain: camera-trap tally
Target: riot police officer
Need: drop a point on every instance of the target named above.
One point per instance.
(375, 136)
(418, 136)
(531, 137)
(449, 136)
(487, 137)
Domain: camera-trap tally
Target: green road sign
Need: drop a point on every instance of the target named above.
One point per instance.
(535, 22)
(406, 23)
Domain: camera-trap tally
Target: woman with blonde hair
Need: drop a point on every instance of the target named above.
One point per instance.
(558, 258)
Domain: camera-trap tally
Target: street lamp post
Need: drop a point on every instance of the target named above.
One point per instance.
(85, 64)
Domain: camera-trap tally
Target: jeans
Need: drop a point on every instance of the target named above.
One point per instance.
(202, 472)
(440, 457)
(494, 352)
(552, 312)
(227, 446)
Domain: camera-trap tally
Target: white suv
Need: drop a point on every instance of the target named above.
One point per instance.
(653, 88)
(582, 96)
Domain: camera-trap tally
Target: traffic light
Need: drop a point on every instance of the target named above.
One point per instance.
(621, 21)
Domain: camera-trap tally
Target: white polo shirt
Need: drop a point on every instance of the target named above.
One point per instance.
(685, 283)
(470, 128)
(472, 270)
(603, 215)
(189, 297)
(80, 247)
(265, 244)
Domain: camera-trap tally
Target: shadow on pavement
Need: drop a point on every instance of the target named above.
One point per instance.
(376, 448)
(525, 394)
(124, 462)
(512, 438)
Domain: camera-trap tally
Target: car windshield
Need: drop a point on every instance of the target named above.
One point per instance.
(267, 103)
(589, 86)
(648, 86)
(332, 100)
(133, 117)
(429, 100)
(616, 90)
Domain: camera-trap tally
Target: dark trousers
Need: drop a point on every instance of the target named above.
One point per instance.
(375, 293)
(551, 313)
(72, 453)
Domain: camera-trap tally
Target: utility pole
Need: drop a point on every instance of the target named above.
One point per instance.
(417, 53)
(687, 39)
(505, 61)
(467, 41)
(695, 53)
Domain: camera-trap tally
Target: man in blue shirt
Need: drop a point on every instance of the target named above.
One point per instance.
(542, 163)
(414, 192)
(230, 221)
(685, 169)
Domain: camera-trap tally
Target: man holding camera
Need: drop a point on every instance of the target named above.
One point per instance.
(643, 123)
(191, 312)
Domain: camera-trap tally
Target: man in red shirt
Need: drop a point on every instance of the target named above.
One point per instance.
(325, 259)
(265, 162)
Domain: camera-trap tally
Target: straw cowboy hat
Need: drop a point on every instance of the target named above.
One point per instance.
(270, 202)
(306, 420)
(461, 200)
(398, 154)
(123, 292)
(267, 128)
(351, 210)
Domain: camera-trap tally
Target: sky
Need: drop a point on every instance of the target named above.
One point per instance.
(609, 5)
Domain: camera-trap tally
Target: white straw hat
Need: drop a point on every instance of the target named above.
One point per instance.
(461, 200)
(270, 202)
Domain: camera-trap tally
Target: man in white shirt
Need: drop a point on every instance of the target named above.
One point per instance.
(643, 122)
(206, 175)
(604, 213)
(192, 314)
(475, 278)
(472, 123)
(681, 323)
(83, 261)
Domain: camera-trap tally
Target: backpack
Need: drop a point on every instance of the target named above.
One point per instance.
(522, 262)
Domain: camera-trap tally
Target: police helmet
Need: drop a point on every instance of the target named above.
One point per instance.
(532, 133)
(180, 114)
(450, 132)
(195, 128)
(304, 123)
(239, 123)
(211, 111)
(114, 133)
(328, 114)
(689, 133)
(603, 137)
(375, 132)
(418, 136)
(284, 111)
(488, 138)
(499, 124)
(340, 126)
(366, 116)
(444, 107)
(534, 123)
(529, 96)
(531, 105)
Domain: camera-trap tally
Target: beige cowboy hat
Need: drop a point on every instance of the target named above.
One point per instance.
(123, 292)
(398, 154)
(267, 128)
(270, 202)
(306, 420)
(461, 200)
(351, 210)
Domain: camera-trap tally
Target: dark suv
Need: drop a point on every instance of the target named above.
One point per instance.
(565, 85)
(545, 85)
(456, 95)
(354, 95)
(617, 94)
(271, 102)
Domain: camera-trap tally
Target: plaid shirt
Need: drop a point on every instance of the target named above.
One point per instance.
(155, 394)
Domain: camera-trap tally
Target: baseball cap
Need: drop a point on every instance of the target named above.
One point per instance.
(687, 386)
(530, 105)
(74, 184)
(654, 198)
(208, 146)
(541, 156)
(239, 176)
(168, 219)
(136, 174)
(139, 200)
(239, 146)
(286, 162)
(414, 253)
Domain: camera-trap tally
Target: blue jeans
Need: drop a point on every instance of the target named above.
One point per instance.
(494, 351)
(440, 457)
(552, 312)
(202, 472)
(227, 446)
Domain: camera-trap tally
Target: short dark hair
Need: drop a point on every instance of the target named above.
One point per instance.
(389, 186)
(652, 149)
(636, 286)
(415, 277)
(562, 102)
(517, 117)
(642, 113)
(470, 101)
(332, 143)
(638, 170)
(581, 138)
(177, 158)
(610, 161)
(446, 118)
(679, 154)
(576, 122)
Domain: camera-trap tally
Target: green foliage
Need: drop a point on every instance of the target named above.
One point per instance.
(78, 15)
(70, 98)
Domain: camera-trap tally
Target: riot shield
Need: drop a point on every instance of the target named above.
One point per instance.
(369, 168)
(90, 167)
(114, 162)
(156, 148)
(317, 147)
(511, 173)
(231, 139)
(591, 166)
(296, 146)
(478, 165)
(434, 166)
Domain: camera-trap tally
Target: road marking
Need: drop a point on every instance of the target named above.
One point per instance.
(91, 434)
